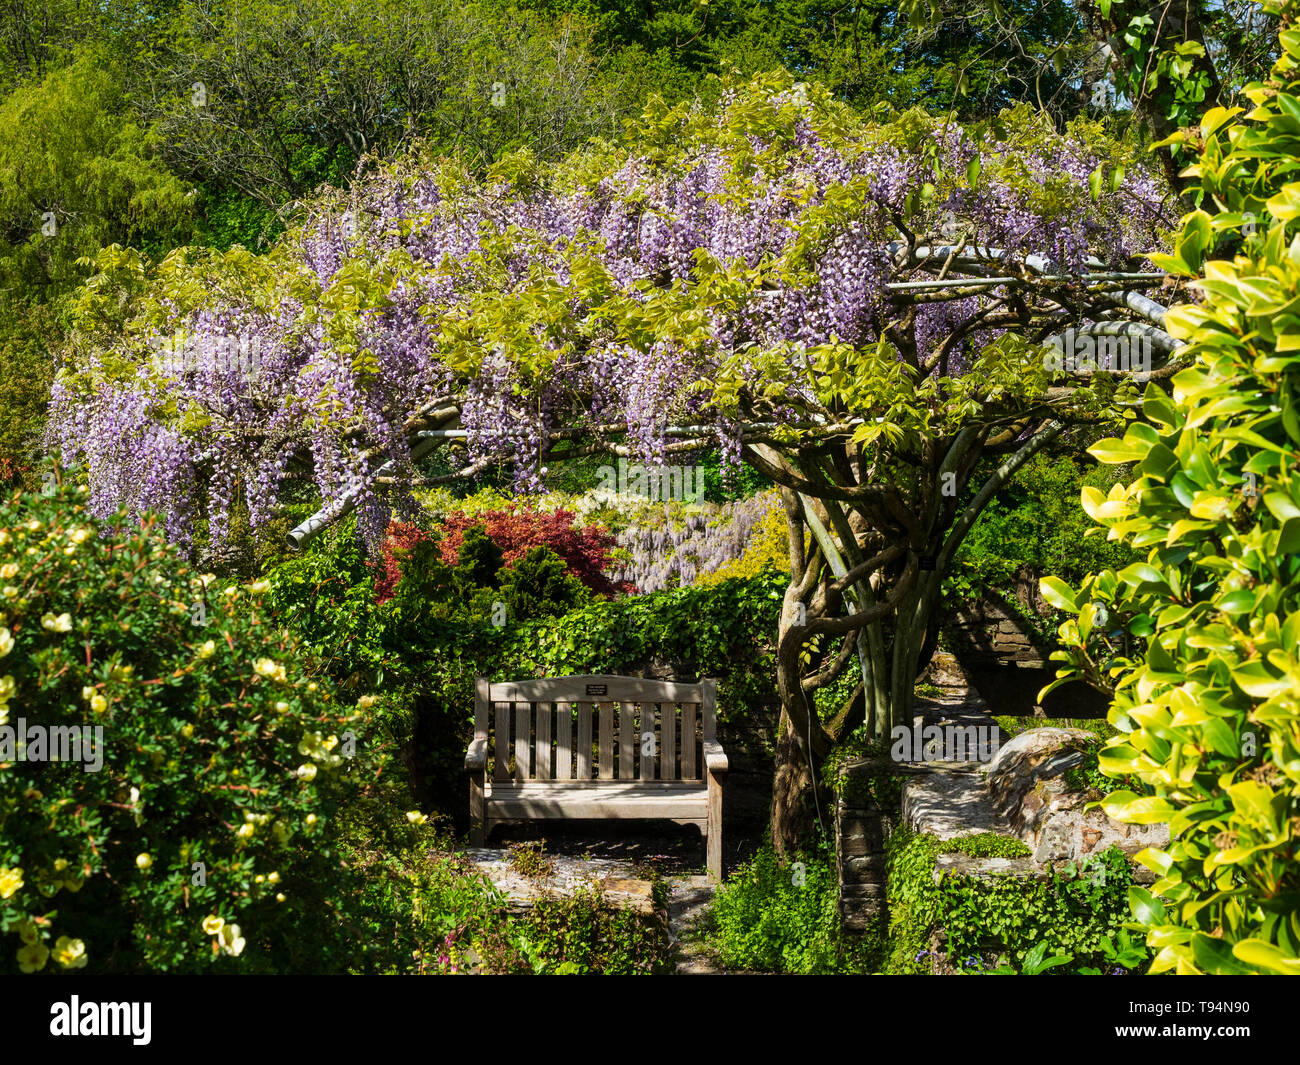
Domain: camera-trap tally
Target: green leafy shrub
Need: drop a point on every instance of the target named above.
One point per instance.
(583, 934)
(1204, 687)
(199, 834)
(540, 585)
(987, 845)
(783, 917)
(1070, 916)
(442, 915)
(1035, 522)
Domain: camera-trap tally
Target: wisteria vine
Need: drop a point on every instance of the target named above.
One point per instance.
(604, 294)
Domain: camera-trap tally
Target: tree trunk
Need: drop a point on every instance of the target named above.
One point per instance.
(794, 811)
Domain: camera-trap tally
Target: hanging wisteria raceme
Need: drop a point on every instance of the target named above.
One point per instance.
(625, 289)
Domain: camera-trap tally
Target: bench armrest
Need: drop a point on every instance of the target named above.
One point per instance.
(715, 759)
(476, 756)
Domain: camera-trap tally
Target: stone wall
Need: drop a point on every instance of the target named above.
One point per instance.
(1027, 787)
(989, 630)
(1007, 661)
(861, 831)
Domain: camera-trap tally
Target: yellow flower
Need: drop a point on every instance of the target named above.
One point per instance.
(260, 587)
(60, 864)
(98, 704)
(28, 932)
(272, 878)
(245, 831)
(309, 820)
(232, 590)
(86, 692)
(187, 730)
(231, 941)
(259, 879)
(62, 623)
(307, 771)
(143, 861)
(79, 536)
(415, 817)
(367, 701)
(9, 570)
(10, 591)
(279, 897)
(6, 642)
(70, 953)
(212, 925)
(7, 688)
(208, 649)
(281, 707)
(34, 525)
(31, 958)
(268, 667)
(10, 881)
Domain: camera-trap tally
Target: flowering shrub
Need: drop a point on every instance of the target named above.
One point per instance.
(187, 823)
(766, 548)
(673, 546)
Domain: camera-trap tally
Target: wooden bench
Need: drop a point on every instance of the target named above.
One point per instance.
(576, 748)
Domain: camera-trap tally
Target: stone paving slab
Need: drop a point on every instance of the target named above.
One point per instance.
(621, 884)
(951, 802)
(617, 880)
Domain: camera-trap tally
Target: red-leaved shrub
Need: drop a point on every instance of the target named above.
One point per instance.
(585, 551)
(399, 541)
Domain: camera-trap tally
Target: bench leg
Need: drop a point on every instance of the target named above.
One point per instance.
(476, 833)
(714, 829)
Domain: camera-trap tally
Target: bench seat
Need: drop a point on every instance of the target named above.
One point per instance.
(596, 748)
(596, 800)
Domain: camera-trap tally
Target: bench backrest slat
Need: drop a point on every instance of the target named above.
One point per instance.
(533, 734)
(542, 755)
(583, 771)
(648, 742)
(626, 739)
(668, 742)
(523, 738)
(563, 741)
(501, 743)
(606, 741)
(688, 742)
